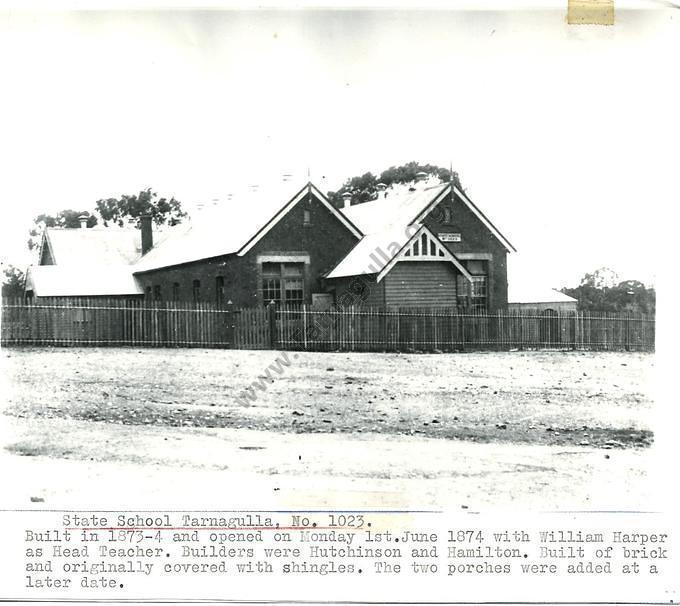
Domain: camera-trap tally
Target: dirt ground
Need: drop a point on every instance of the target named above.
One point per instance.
(545, 429)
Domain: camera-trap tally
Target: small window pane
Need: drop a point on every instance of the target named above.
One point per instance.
(271, 290)
(293, 269)
(271, 269)
(294, 291)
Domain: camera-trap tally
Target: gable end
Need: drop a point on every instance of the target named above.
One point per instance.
(307, 190)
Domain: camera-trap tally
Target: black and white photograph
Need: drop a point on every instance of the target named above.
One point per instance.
(348, 260)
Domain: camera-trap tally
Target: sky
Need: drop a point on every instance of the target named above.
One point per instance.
(565, 136)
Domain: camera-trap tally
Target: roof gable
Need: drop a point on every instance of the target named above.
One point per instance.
(91, 246)
(309, 189)
(219, 232)
(424, 246)
(475, 211)
(405, 206)
(378, 253)
(390, 223)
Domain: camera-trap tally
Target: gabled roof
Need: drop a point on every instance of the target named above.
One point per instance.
(81, 281)
(403, 207)
(372, 253)
(308, 189)
(93, 246)
(378, 253)
(484, 219)
(232, 231)
(400, 208)
(390, 222)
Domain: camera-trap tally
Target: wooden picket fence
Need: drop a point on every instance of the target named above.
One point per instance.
(111, 322)
(376, 329)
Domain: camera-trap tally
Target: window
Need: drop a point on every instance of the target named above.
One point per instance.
(271, 283)
(283, 283)
(219, 290)
(196, 286)
(157, 292)
(175, 291)
(477, 293)
(306, 218)
(293, 284)
(480, 285)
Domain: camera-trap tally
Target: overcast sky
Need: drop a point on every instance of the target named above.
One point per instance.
(564, 136)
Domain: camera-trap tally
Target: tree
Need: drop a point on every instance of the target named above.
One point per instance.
(603, 277)
(64, 218)
(146, 202)
(363, 187)
(598, 292)
(13, 280)
(112, 211)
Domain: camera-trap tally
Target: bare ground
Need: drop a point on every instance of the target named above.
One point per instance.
(471, 430)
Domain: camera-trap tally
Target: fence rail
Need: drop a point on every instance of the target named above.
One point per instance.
(103, 322)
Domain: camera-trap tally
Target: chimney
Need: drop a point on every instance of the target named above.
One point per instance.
(147, 233)
(346, 199)
(421, 177)
(83, 221)
(381, 187)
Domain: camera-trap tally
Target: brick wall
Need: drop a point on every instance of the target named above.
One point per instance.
(321, 244)
(476, 242)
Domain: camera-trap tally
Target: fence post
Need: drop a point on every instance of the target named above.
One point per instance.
(383, 312)
(461, 331)
(271, 308)
(304, 325)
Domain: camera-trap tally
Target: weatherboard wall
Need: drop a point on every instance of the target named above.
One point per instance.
(421, 284)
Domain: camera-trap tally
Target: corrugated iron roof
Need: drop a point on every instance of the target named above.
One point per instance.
(373, 252)
(81, 281)
(94, 246)
(537, 294)
(219, 231)
(399, 208)
(390, 219)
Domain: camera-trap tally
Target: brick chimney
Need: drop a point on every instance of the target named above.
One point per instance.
(147, 233)
(83, 221)
(346, 199)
